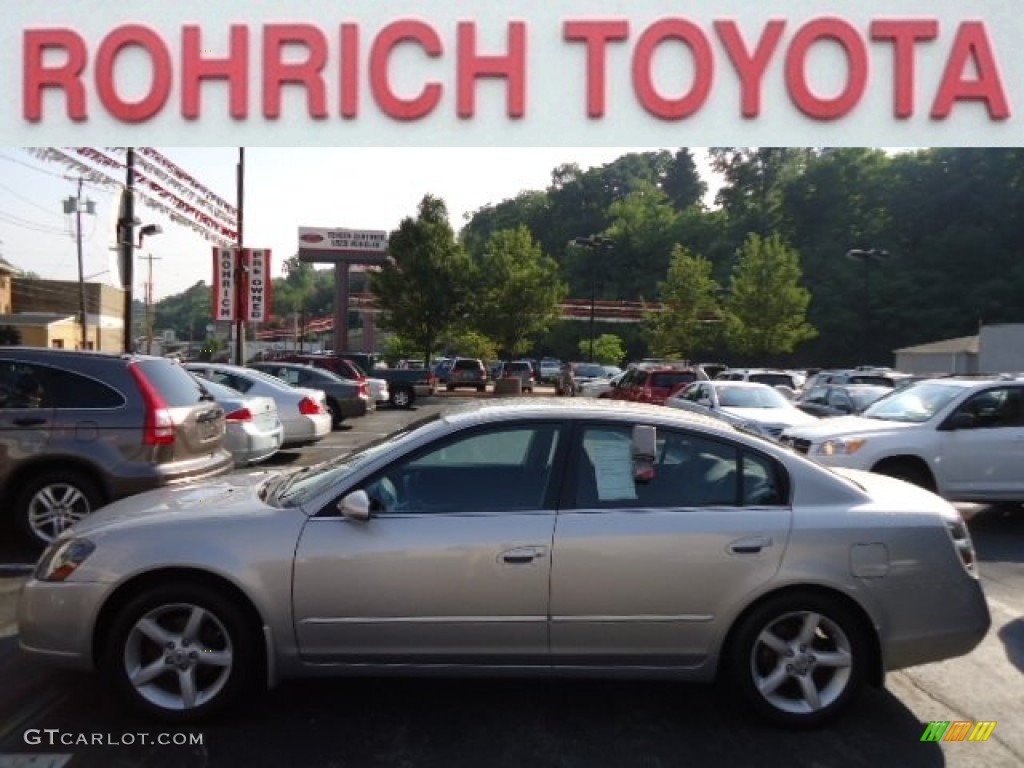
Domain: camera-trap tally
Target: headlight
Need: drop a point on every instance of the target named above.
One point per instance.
(62, 558)
(840, 446)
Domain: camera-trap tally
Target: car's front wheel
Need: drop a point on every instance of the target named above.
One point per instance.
(799, 659)
(402, 397)
(181, 653)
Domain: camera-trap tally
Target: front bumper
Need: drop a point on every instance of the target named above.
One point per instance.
(56, 620)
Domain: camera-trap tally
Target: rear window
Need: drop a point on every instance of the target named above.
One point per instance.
(175, 386)
(519, 367)
(671, 379)
(468, 365)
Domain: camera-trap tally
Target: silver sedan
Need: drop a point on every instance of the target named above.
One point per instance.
(252, 430)
(557, 537)
(303, 412)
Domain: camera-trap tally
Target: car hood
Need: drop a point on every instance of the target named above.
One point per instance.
(230, 496)
(794, 417)
(841, 426)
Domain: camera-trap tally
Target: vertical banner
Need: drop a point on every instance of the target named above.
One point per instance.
(224, 283)
(257, 285)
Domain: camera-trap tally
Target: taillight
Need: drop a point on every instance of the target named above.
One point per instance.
(242, 414)
(364, 390)
(309, 407)
(158, 428)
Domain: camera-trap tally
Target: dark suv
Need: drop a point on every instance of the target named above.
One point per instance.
(466, 372)
(81, 429)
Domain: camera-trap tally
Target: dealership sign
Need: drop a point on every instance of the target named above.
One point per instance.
(339, 245)
(484, 73)
(241, 284)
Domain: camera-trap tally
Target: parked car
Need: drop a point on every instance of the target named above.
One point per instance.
(826, 400)
(466, 372)
(960, 437)
(550, 370)
(346, 398)
(758, 408)
(653, 382)
(253, 431)
(521, 538)
(770, 376)
(882, 377)
(346, 369)
(584, 373)
(405, 385)
(600, 388)
(519, 369)
(81, 429)
(303, 412)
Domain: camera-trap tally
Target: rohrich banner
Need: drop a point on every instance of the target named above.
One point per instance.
(531, 73)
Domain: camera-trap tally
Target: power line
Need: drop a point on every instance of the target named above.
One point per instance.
(34, 204)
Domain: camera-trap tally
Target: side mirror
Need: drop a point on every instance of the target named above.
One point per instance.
(960, 420)
(645, 449)
(355, 506)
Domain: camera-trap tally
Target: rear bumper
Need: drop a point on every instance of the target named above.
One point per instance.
(139, 477)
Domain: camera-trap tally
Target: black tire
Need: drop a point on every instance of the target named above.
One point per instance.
(402, 397)
(52, 501)
(481, 387)
(223, 632)
(834, 632)
(909, 471)
(337, 419)
(449, 387)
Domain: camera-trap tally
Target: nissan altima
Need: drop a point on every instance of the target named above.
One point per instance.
(556, 537)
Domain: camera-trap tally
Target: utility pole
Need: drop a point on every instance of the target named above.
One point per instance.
(239, 266)
(74, 205)
(126, 246)
(149, 303)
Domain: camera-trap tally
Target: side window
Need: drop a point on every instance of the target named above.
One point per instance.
(23, 385)
(762, 482)
(817, 395)
(996, 408)
(690, 471)
(69, 390)
(231, 380)
(498, 469)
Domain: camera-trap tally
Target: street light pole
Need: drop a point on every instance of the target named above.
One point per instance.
(592, 243)
(866, 257)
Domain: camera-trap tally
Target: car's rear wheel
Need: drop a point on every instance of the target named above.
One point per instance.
(402, 397)
(799, 659)
(53, 501)
(336, 416)
(181, 653)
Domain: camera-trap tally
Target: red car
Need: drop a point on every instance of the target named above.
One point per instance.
(648, 383)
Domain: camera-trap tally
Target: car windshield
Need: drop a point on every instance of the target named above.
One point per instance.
(292, 490)
(750, 397)
(915, 404)
(862, 398)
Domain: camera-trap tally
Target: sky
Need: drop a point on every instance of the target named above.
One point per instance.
(285, 188)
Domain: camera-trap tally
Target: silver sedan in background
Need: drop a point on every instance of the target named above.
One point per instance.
(544, 537)
(303, 412)
(253, 432)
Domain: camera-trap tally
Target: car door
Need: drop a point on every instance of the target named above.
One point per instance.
(26, 409)
(452, 567)
(986, 457)
(651, 574)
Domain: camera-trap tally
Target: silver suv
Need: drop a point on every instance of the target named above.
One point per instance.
(81, 429)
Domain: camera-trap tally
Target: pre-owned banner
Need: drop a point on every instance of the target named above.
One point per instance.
(256, 264)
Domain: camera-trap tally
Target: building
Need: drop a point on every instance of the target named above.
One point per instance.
(7, 272)
(995, 349)
(46, 329)
(104, 308)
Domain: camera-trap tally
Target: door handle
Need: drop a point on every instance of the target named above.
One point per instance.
(522, 555)
(750, 546)
(29, 421)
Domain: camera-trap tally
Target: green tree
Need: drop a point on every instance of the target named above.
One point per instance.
(608, 349)
(471, 343)
(687, 321)
(517, 291)
(767, 306)
(424, 288)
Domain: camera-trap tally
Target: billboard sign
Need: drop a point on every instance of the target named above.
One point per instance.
(340, 244)
(257, 284)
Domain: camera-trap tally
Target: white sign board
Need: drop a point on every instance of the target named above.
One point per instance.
(224, 286)
(532, 73)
